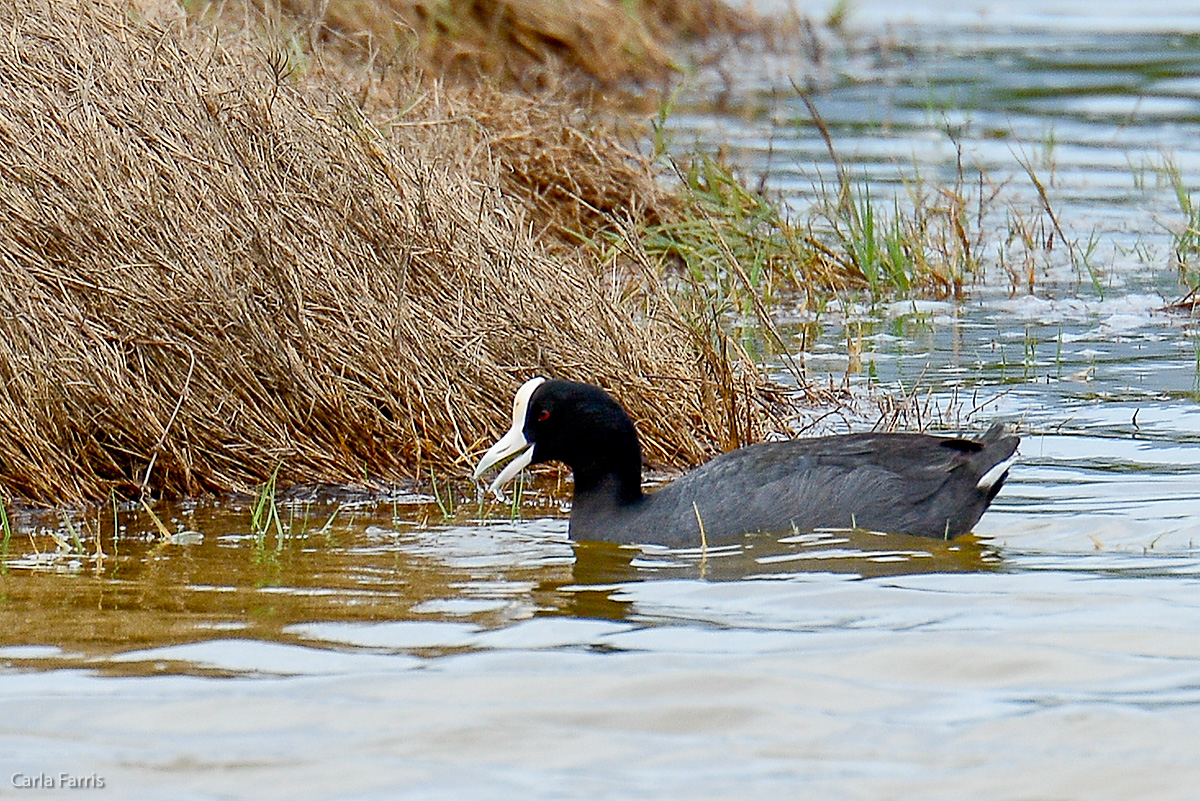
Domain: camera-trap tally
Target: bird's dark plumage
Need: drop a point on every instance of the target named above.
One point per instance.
(897, 483)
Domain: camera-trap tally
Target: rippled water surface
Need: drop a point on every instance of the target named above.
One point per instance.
(396, 648)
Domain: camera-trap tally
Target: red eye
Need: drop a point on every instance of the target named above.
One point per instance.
(543, 415)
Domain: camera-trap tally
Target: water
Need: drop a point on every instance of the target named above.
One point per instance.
(386, 650)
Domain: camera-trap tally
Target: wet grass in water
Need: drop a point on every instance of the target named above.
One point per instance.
(1081, 258)
(6, 529)
(444, 497)
(264, 513)
(928, 246)
(1187, 237)
(740, 246)
(738, 249)
(265, 519)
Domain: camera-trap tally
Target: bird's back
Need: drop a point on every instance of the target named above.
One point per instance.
(898, 483)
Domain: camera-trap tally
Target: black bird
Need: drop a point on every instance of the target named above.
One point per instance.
(896, 483)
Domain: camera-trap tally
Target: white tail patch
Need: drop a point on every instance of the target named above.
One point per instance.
(989, 479)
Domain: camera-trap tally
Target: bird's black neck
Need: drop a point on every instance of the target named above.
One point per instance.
(604, 510)
(617, 477)
(611, 465)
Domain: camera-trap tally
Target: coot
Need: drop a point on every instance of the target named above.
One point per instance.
(898, 483)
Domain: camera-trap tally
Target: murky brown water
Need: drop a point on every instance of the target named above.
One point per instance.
(385, 650)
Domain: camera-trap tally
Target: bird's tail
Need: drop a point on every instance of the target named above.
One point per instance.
(996, 457)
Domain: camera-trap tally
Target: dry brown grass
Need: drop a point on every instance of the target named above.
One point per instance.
(209, 268)
(561, 151)
(527, 43)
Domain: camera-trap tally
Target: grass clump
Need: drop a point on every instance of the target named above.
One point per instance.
(922, 248)
(926, 247)
(212, 263)
(530, 44)
(741, 248)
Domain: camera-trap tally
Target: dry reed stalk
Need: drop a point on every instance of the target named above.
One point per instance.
(208, 270)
